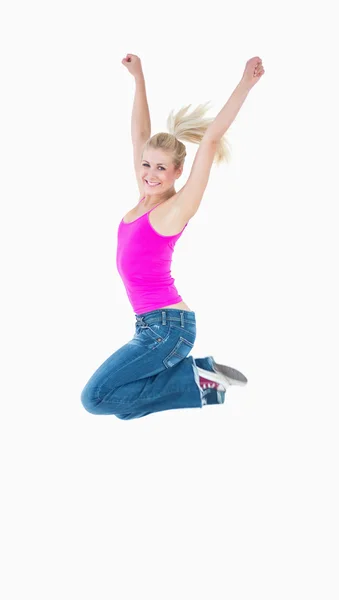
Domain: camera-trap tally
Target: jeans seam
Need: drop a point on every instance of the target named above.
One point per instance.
(108, 376)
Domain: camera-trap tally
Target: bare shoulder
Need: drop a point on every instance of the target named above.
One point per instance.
(178, 206)
(168, 218)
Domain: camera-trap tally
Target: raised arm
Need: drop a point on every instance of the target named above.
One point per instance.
(190, 196)
(141, 121)
(253, 72)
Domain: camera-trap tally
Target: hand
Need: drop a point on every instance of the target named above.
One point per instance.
(253, 72)
(133, 64)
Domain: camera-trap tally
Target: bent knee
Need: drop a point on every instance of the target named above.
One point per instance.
(97, 405)
(89, 400)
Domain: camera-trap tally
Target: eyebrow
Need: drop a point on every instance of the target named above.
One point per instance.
(158, 164)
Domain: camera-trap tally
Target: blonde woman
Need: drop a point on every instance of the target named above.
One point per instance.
(153, 371)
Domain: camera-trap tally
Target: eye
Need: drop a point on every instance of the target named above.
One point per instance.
(145, 165)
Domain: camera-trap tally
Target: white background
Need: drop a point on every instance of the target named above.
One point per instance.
(235, 501)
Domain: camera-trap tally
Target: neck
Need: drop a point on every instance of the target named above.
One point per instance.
(156, 199)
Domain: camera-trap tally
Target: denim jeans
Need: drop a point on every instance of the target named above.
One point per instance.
(152, 372)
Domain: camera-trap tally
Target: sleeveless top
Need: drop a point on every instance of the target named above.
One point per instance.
(143, 260)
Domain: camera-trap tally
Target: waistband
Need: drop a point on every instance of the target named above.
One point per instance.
(163, 315)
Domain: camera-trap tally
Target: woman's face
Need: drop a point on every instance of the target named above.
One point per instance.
(157, 167)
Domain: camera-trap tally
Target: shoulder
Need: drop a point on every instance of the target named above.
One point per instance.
(178, 206)
(168, 218)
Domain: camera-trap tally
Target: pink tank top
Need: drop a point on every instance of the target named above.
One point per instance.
(143, 261)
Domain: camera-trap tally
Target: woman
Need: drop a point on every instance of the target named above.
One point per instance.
(153, 371)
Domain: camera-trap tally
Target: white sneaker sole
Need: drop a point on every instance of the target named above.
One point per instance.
(224, 375)
(232, 375)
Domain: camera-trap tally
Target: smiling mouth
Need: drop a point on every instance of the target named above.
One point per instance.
(152, 184)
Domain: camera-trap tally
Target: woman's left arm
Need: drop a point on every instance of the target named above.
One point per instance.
(254, 70)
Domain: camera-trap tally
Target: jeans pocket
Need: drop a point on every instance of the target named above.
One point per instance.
(181, 349)
(158, 332)
(152, 336)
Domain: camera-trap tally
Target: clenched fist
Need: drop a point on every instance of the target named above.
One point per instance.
(133, 64)
(254, 70)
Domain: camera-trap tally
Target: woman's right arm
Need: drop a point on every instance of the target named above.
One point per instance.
(141, 121)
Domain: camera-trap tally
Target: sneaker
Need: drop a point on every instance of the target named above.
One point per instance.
(223, 375)
(208, 384)
(233, 376)
(213, 392)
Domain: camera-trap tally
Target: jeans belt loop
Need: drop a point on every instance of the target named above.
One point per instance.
(163, 313)
(182, 319)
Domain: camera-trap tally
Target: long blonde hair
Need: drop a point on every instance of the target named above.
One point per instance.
(190, 128)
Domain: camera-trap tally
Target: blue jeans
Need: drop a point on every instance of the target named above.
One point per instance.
(152, 372)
